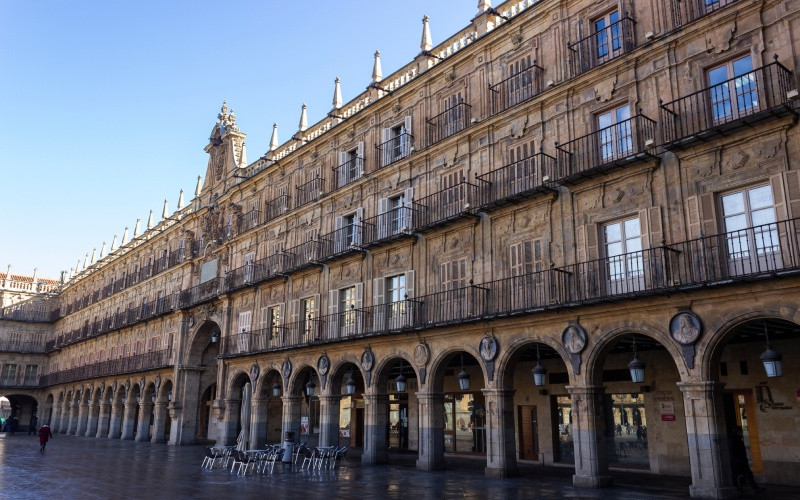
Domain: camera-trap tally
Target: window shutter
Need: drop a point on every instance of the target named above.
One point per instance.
(386, 147)
(408, 215)
(264, 319)
(587, 242)
(707, 221)
(360, 214)
(341, 171)
(645, 233)
(792, 194)
(538, 258)
(378, 291)
(444, 276)
(693, 217)
(333, 301)
(410, 283)
(359, 299)
(281, 313)
(513, 259)
(778, 197)
(383, 205)
(295, 311)
(655, 226)
(406, 144)
(528, 257)
(360, 159)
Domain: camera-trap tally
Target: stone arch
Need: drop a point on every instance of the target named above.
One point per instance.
(299, 378)
(165, 391)
(504, 365)
(236, 382)
(337, 373)
(200, 339)
(382, 368)
(439, 363)
(267, 379)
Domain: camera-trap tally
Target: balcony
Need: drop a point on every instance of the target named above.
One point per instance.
(722, 109)
(153, 360)
(201, 293)
(395, 149)
(22, 346)
(276, 207)
(349, 171)
(343, 241)
(517, 88)
(303, 256)
(519, 180)
(177, 257)
(19, 383)
(449, 122)
(309, 191)
(395, 224)
(686, 11)
(251, 220)
(602, 46)
(34, 312)
(624, 143)
(449, 204)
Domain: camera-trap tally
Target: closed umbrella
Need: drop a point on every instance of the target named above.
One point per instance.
(244, 418)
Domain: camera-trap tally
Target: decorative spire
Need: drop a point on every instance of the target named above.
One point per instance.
(337, 94)
(94, 253)
(198, 188)
(85, 260)
(377, 71)
(114, 243)
(103, 250)
(222, 117)
(303, 119)
(137, 228)
(483, 6)
(78, 266)
(426, 44)
(165, 212)
(124, 237)
(180, 200)
(150, 220)
(273, 142)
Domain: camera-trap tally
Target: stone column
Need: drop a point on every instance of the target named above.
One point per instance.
(501, 448)
(45, 416)
(591, 455)
(175, 412)
(291, 416)
(431, 431)
(143, 425)
(103, 419)
(227, 427)
(72, 423)
(55, 420)
(129, 418)
(114, 421)
(83, 409)
(159, 421)
(709, 455)
(329, 420)
(91, 419)
(376, 422)
(63, 417)
(258, 422)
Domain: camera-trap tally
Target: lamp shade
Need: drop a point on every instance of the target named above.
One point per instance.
(400, 382)
(539, 373)
(276, 389)
(772, 361)
(350, 385)
(214, 336)
(636, 366)
(463, 380)
(169, 395)
(310, 386)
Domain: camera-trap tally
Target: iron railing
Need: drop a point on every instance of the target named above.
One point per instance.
(201, 293)
(276, 207)
(686, 11)
(250, 220)
(152, 360)
(602, 46)
(728, 106)
(519, 180)
(342, 241)
(454, 202)
(22, 346)
(449, 122)
(349, 171)
(628, 141)
(517, 88)
(395, 149)
(303, 255)
(29, 311)
(396, 223)
(309, 191)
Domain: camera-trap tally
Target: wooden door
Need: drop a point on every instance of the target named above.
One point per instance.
(528, 433)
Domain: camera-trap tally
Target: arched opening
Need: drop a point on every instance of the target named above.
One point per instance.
(397, 409)
(200, 388)
(205, 432)
(145, 413)
(94, 412)
(307, 385)
(164, 398)
(130, 426)
(642, 405)
(17, 411)
(268, 410)
(542, 424)
(347, 412)
(239, 412)
(760, 404)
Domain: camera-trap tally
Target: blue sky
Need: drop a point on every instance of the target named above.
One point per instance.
(108, 105)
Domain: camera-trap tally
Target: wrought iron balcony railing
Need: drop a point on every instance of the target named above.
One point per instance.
(34, 312)
(454, 202)
(723, 108)
(201, 293)
(342, 241)
(349, 171)
(519, 180)
(309, 191)
(23, 346)
(686, 11)
(303, 255)
(623, 143)
(250, 220)
(602, 46)
(395, 149)
(517, 88)
(389, 226)
(276, 207)
(449, 122)
(152, 360)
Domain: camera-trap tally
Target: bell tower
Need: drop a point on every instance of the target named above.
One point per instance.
(226, 155)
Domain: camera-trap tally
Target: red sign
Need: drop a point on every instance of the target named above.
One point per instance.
(668, 417)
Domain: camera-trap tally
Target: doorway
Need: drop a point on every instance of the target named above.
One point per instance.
(528, 433)
(740, 410)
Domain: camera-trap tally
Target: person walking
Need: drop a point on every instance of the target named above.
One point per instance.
(33, 427)
(44, 436)
(739, 462)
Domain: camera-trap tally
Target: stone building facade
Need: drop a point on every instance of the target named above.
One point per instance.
(476, 254)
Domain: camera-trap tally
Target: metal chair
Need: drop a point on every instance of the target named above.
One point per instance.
(211, 458)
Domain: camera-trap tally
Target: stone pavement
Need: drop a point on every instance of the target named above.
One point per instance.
(89, 468)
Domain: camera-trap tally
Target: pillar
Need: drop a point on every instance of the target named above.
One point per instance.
(129, 418)
(103, 419)
(709, 455)
(291, 416)
(83, 410)
(501, 446)
(91, 419)
(159, 421)
(258, 422)
(227, 426)
(72, 423)
(176, 430)
(329, 420)
(591, 455)
(431, 431)
(114, 421)
(143, 425)
(376, 422)
(63, 418)
(55, 420)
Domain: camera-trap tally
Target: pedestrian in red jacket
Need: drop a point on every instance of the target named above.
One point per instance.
(44, 436)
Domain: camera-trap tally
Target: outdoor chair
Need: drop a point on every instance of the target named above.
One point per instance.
(340, 454)
(211, 458)
(241, 459)
(309, 457)
(298, 451)
(269, 458)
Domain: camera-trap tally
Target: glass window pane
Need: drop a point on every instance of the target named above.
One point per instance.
(632, 228)
(613, 17)
(760, 197)
(623, 113)
(717, 75)
(733, 204)
(764, 216)
(742, 66)
(614, 249)
(735, 223)
(613, 233)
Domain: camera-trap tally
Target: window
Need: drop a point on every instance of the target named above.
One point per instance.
(160, 302)
(519, 83)
(452, 194)
(396, 142)
(391, 296)
(623, 248)
(249, 267)
(452, 117)
(608, 36)
(521, 171)
(395, 214)
(348, 231)
(396, 300)
(274, 318)
(616, 139)
(733, 91)
(307, 314)
(347, 304)
(750, 230)
(243, 340)
(9, 374)
(527, 288)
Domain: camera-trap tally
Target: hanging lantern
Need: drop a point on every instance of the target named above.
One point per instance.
(463, 376)
(214, 336)
(169, 395)
(350, 385)
(400, 382)
(539, 371)
(636, 366)
(276, 389)
(772, 360)
(310, 386)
